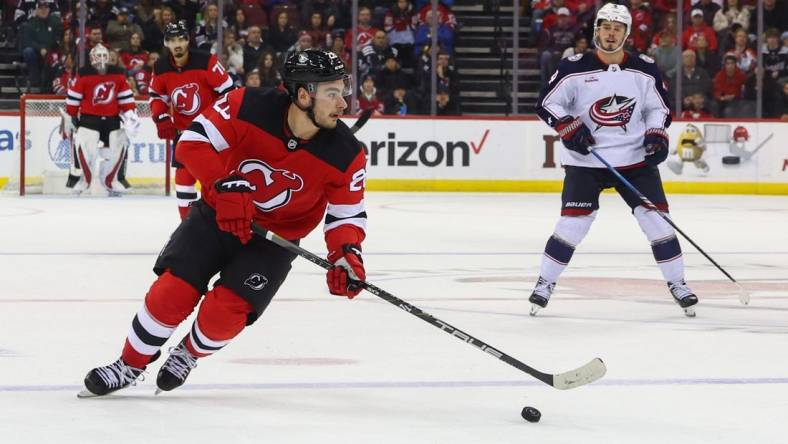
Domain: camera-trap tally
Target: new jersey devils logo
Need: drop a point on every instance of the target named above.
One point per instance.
(612, 111)
(103, 93)
(186, 99)
(274, 187)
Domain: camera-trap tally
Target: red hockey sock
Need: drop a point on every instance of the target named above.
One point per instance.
(221, 317)
(185, 190)
(169, 301)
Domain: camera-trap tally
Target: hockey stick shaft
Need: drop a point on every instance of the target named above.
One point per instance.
(651, 206)
(361, 121)
(574, 378)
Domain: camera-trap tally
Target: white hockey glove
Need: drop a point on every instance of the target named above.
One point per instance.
(131, 123)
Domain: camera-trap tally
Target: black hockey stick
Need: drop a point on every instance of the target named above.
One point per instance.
(567, 380)
(744, 297)
(361, 121)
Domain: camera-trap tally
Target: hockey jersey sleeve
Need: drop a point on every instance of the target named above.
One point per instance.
(346, 217)
(125, 94)
(74, 96)
(217, 76)
(555, 97)
(159, 97)
(210, 134)
(656, 111)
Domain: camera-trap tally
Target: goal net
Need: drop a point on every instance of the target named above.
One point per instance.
(42, 167)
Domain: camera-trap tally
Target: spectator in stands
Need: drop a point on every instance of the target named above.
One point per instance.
(400, 26)
(372, 57)
(666, 56)
(698, 26)
(773, 16)
(253, 48)
(728, 85)
(731, 13)
(554, 41)
(252, 79)
(694, 79)
(207, 31)
(120, 30)
(770, 97)
(143, 12)
(153, 29)
(368, 98)
(391, 75)
(782, 104)
(338, 48)
(143, 77)
(708, 60)
(101, 13)
(282, 36)
(585, 13)
(775, 56)
(446, 105)
(423, 38)
(316, 30)
(365, 30)
(695, 107)
(668, 29)
(304, 42)
(134, 57)
(187, 10)
(26, 9)
(401, 101)
(95, 37)
(784, 38)
(63, 75)
(746, 58)
(238, 22)
(581, 47)
(709, 10)
(269, 72)
(40, 34)
(642, 26)
(446, 75)
(445, 16)
(326, 8)
(550, 15)
(232, 54)
(68, 44)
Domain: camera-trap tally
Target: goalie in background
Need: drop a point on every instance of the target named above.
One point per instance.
(690, 148)
(101, 106)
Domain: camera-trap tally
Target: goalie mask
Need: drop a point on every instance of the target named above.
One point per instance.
(99, 58)
(612, 13)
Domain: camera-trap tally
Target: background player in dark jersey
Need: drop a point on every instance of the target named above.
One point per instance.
(184, 84)
(280, 159)
(102, 101)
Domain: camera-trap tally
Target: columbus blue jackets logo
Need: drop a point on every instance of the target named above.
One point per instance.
(612, 111)
(256, 281)
(273, 187)
(186, 99)
(103, 93)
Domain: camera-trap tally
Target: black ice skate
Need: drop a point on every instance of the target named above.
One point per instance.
(541, 295)
(175, 369)
(104, 380)
(684, 297)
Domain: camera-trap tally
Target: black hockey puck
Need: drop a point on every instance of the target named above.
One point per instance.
(531, 414)
(731, 160)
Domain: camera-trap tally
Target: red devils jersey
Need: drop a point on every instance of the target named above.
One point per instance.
(189, 89)
(99, 95)
(134, 60)
(297, 181)
(143, 78)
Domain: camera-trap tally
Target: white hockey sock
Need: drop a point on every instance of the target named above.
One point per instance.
(569, 231)
(664, 244)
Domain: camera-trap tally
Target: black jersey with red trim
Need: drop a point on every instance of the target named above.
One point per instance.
(297, 181)
(98, 94)
(190, 89)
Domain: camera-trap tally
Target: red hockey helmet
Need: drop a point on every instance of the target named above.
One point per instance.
(740, 134)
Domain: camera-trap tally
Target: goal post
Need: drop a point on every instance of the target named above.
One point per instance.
(44, 155)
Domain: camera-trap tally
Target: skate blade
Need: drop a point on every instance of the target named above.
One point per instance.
(86, 394)
(689, 312)
(534, 309)
(158, 391)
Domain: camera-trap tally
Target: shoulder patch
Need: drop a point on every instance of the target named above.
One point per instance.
(574, 58)
(646, 58)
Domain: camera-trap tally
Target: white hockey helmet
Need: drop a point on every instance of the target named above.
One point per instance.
(613, 13)
(99, 57)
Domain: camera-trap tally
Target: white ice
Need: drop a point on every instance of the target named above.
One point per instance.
(318, 368)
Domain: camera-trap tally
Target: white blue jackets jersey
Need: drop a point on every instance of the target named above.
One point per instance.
(618, 103)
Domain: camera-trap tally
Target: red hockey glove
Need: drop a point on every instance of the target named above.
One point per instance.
(234, 206)
(348, 269)
(575, 134)
(656, 144)
(165, 126)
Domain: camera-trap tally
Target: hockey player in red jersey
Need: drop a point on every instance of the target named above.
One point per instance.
(102, 107)
(282, 160)
(188, 82)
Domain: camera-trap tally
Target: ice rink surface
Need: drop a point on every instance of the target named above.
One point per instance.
(318, 368)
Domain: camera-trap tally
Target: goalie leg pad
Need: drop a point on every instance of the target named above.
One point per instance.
(664, 243)
(86, 141)
(112, 160)
(222, 316)
(169, 301)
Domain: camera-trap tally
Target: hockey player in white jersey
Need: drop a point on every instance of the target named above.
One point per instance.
(614, 102)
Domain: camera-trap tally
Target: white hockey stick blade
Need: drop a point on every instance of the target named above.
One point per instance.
(580, 376)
